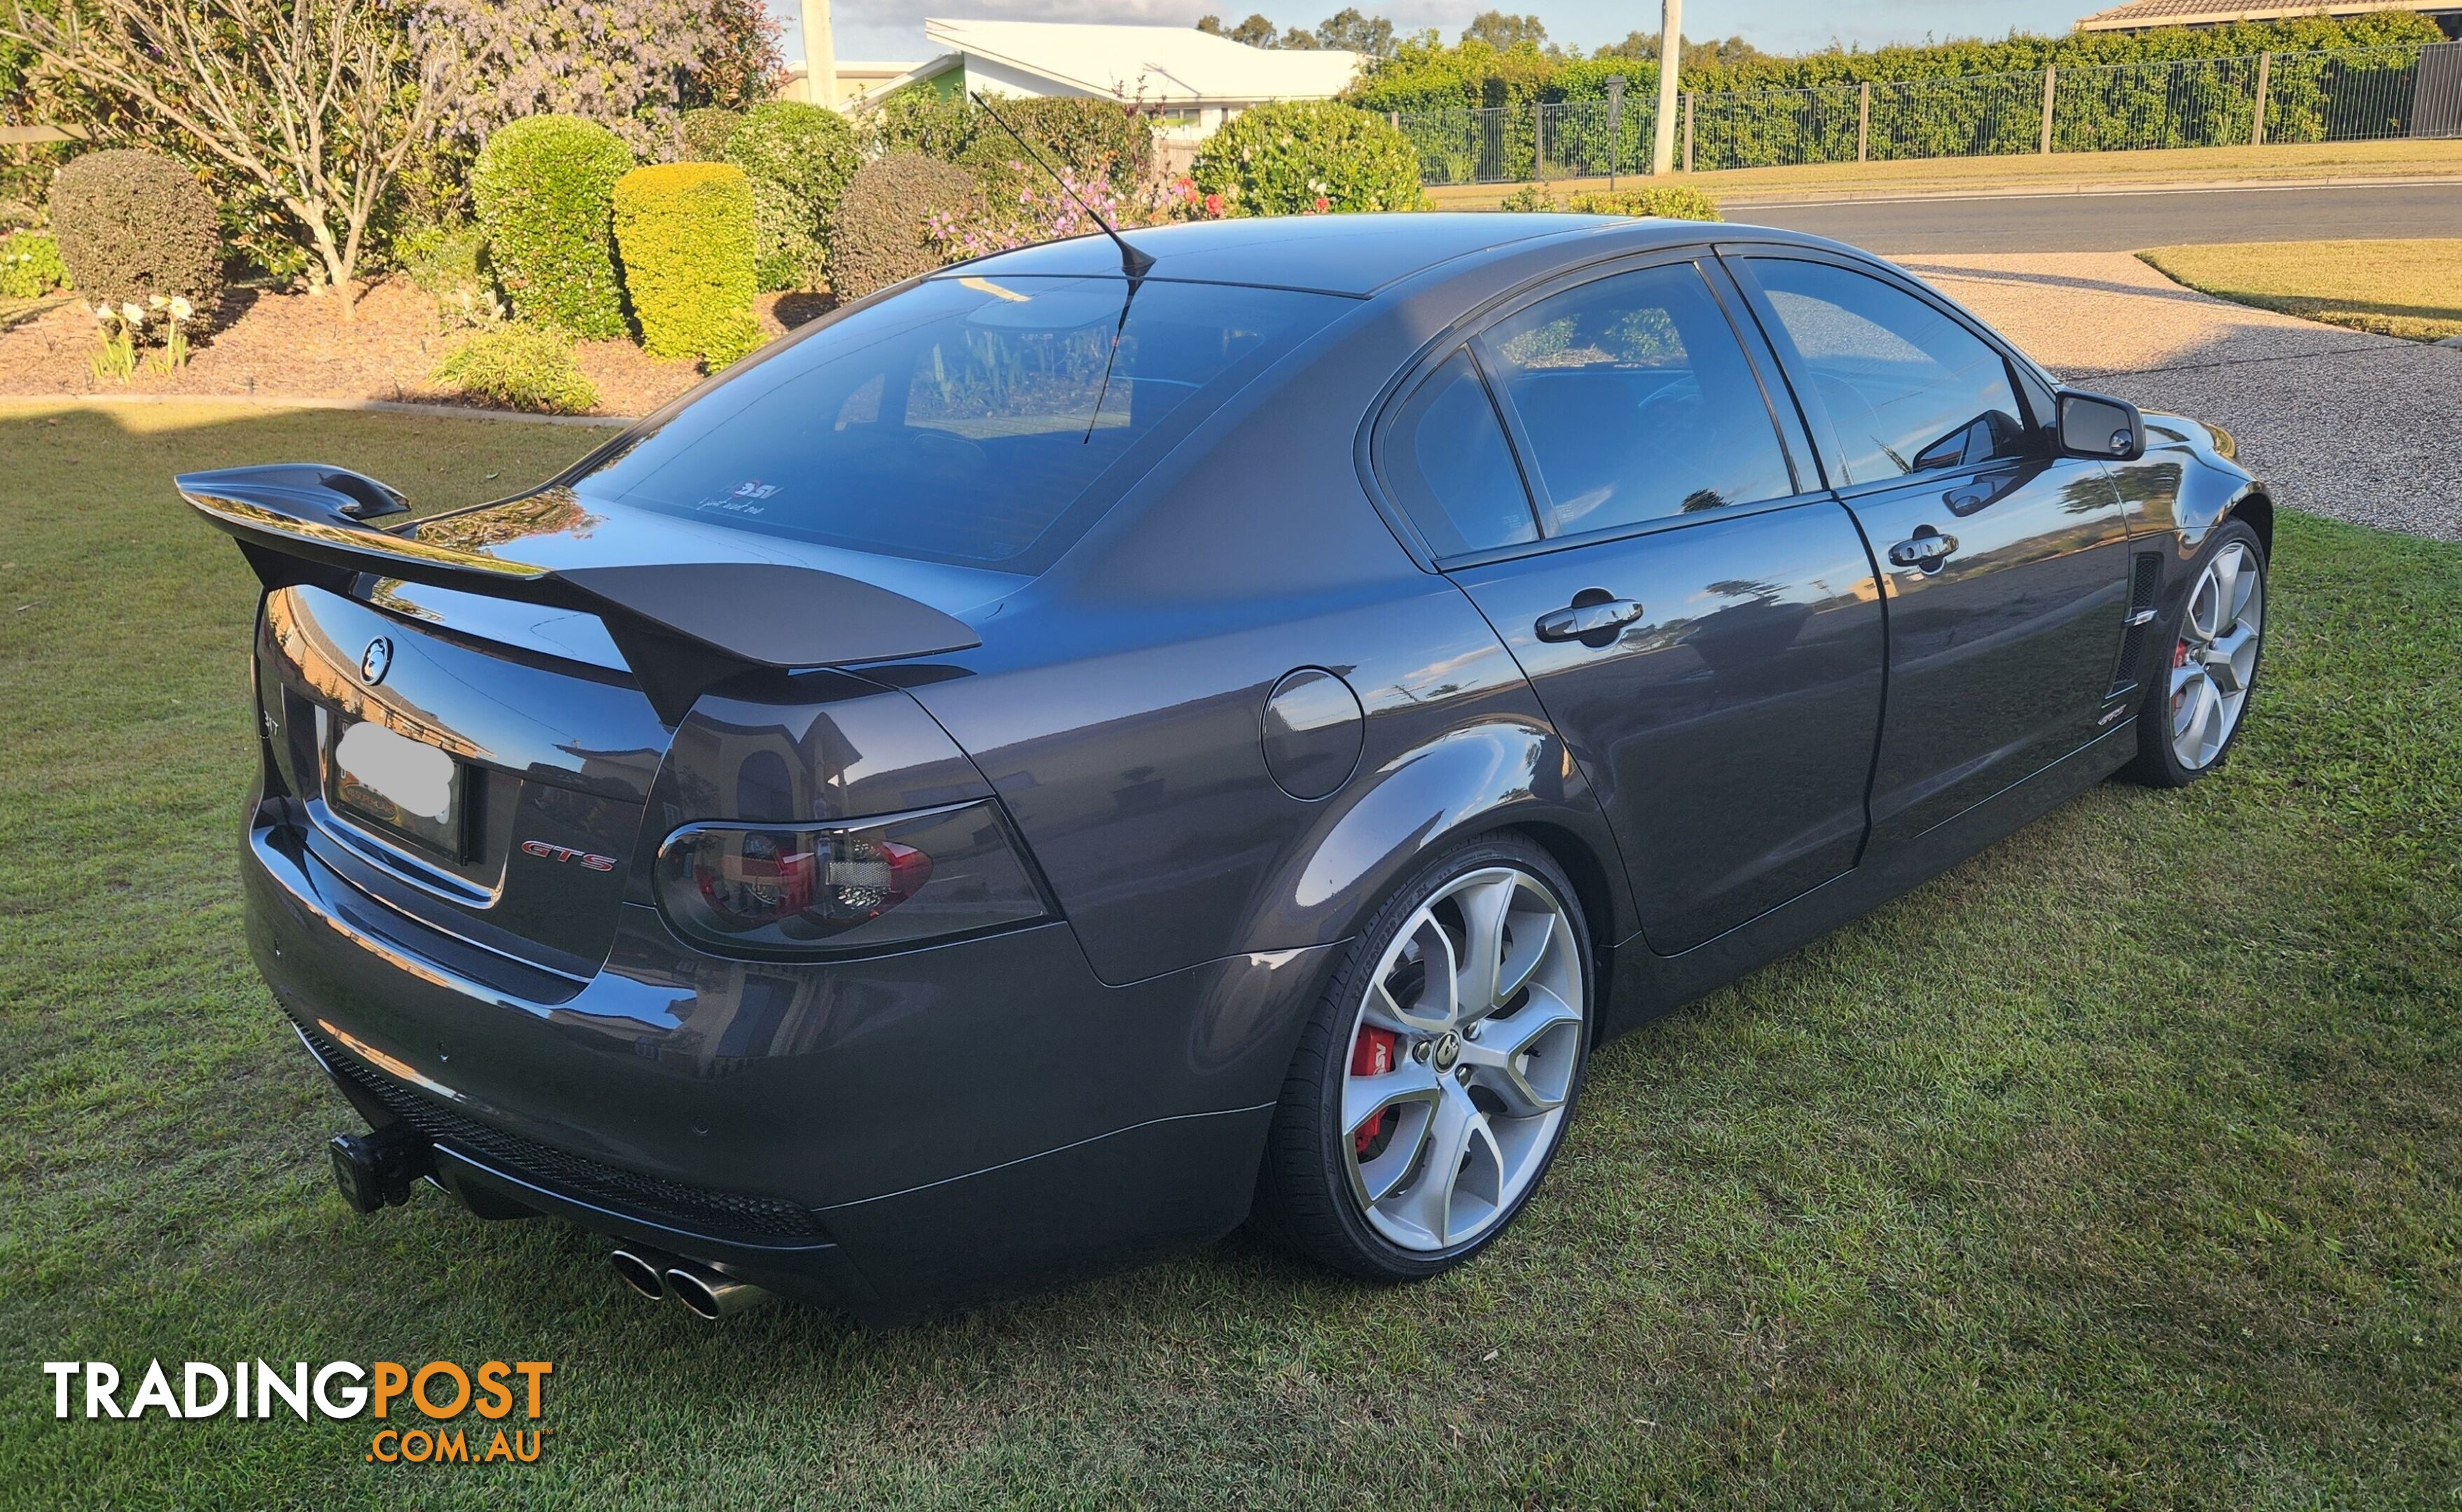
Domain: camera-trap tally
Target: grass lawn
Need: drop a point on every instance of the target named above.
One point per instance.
(2115, 1169)
(2344, 160)
(2395, 287)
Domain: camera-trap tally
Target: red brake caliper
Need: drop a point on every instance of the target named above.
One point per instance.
(1371, 1055)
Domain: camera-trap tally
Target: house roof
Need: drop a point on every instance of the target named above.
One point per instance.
(2139, 14)
(1161, 64)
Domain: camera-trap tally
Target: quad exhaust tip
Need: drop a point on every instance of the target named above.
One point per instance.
(711, 1295)
(706, 1293)
(644, 1271)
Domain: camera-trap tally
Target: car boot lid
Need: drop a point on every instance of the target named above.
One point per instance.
(682, 627)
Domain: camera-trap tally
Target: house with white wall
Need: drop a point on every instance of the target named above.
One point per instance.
(1192, 80)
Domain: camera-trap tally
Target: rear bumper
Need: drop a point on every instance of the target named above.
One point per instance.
(883, 1135)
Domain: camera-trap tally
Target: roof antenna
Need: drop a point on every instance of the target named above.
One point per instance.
(1134, 263)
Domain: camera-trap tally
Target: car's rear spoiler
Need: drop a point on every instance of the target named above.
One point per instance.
(683, 628)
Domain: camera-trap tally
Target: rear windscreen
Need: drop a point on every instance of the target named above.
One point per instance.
(967, 420)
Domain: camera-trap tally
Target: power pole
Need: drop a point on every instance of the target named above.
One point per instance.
(1671, 51)
(820, 53)
(1615, 120)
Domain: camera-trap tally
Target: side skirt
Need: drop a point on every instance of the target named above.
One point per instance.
(1645, 986)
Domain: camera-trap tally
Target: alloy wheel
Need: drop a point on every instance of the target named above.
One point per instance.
(2215, 662)
(1462, 1055)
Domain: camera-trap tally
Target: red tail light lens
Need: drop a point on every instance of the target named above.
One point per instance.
(886, 882)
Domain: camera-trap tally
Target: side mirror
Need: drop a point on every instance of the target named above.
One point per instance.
(2106, 429)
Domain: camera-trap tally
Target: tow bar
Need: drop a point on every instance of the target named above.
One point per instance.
(374, 1169)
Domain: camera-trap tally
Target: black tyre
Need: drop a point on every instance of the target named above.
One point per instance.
(2195, 702)
(1418, 1119)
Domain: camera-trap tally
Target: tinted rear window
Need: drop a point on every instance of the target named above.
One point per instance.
(967, 420)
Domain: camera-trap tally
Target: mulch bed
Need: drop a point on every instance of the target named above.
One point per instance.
(267, 344)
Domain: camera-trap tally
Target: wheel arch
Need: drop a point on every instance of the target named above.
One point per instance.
(1591, 875)
(2257, 508)
(1504, 772)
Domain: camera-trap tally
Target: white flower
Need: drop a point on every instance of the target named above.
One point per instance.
(133, 312)
(155, 302)
(181, 308)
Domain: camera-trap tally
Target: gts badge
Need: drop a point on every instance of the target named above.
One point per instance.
(588, 862)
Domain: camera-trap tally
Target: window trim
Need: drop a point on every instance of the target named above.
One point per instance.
(1390, 499)
(1738, 258)
(1795, 445)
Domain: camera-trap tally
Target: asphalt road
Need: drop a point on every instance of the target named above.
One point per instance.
(2124, 221)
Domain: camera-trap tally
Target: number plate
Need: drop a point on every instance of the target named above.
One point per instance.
(399, 785)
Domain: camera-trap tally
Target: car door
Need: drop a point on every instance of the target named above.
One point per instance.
(2004, 564)
(1601, 470)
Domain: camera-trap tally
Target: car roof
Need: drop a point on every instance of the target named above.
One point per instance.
(1340, 254)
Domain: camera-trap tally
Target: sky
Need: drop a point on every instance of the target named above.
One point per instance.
(893, 30)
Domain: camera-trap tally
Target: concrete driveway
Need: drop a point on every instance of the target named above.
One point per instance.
(2359, 427)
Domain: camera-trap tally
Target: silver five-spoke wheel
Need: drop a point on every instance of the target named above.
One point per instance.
(1463, 1055)
(2215, 662)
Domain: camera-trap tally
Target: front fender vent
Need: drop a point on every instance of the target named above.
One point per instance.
(2144, 581)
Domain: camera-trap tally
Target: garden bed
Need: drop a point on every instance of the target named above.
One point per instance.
(271, 344)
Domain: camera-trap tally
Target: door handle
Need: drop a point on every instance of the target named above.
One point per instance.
(1592, 618)
(1928, 548)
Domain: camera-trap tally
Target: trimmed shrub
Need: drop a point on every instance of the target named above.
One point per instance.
(131, 224)
(30, 265)
(920, 118)
(545, 188)
(799, 158)
(884, 230)
(1305, 156)
(450, 263)
(1677, 202)
(707, 131)
(1081, 138)
(519, 367)
(686, 232)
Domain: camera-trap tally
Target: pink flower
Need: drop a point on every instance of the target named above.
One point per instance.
(1323, 205)
(1214, 204)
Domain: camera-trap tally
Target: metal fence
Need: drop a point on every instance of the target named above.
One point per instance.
(2349, 94)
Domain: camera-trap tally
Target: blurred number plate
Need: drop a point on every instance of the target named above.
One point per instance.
(401, 784)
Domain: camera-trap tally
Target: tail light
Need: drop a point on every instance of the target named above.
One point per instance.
(895, 881)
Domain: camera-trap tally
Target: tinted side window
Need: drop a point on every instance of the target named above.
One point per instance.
(1907, 389)
(1637, 401)
(1445, 458)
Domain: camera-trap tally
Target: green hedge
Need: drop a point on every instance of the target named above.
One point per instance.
(519, 367)
(1302, 156)
(884, 232)
(799, 158)
(707, 130)
(686, 230)
(1955, 99)
(1079, 137)
(30, 265)
(1473, 75)
(545, 188)
(131, 225)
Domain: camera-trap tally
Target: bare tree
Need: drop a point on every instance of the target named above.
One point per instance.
(318, 102)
